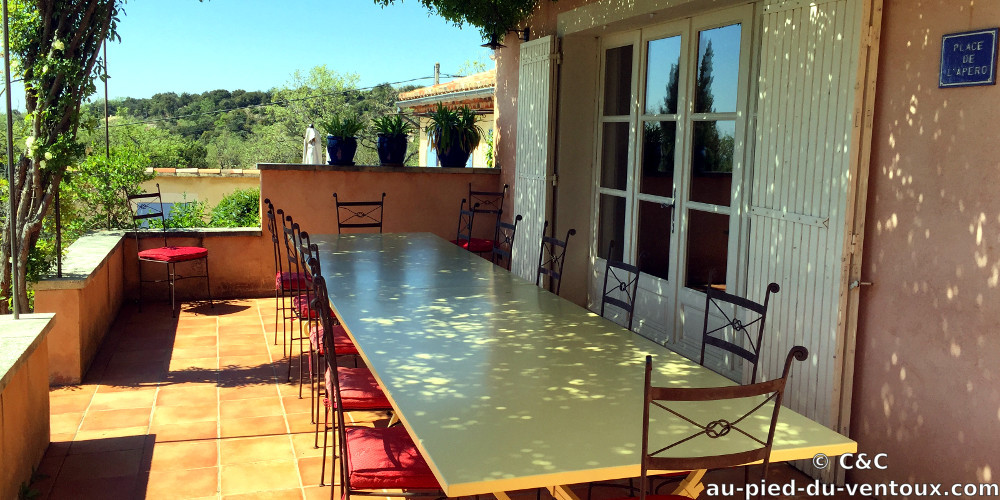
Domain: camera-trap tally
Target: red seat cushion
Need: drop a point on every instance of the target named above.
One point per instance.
(358, 389)
(290, 281)
(174, 254)
(301, 306)
(342, 343)
(476, 245)
(386, 457)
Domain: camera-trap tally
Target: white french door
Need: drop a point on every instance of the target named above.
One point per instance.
(671, 140)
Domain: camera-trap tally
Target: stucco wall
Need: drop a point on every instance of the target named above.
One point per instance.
(928, 357)
(24, 422)
(178, 188)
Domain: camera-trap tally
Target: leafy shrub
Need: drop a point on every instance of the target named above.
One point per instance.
(241, 208)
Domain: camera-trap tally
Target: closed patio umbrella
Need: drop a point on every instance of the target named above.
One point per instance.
(312, 147)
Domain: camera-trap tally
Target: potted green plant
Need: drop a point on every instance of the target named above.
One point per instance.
(453, 133)
(342, 140)
(391, 143)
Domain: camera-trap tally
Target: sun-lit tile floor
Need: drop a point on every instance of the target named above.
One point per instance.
(199, 406)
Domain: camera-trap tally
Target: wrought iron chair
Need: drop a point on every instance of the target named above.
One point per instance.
(504, 242)
(359, 214)
(283, 280)
(298, 292)
(372, 459)
(486, 202)
(738, 428)
(625, 281)
(358, 389)
(719, 301)
(552, 266)
(465, 221)
(148, 206)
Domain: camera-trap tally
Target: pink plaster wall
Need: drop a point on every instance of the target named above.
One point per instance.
(928, 361)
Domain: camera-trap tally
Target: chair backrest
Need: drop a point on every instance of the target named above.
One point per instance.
(620, 279)
(488, 202)
(146, 206)
(718, 418)
(359, 214)
(743, 325)
(503, 241)
(272, 227)
(551, 258)
(465, 220)
(290, 229)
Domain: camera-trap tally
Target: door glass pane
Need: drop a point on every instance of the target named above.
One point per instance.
(614, 155)
(654, 238)
(617, 80)
(658, 145)
(611, 225)
(718, 70)
(712, 162)
(662, 64)
(707, 249)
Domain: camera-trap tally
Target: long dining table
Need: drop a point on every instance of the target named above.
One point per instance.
(503, 385)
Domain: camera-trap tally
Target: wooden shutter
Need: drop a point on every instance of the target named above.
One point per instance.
(807, 161)
(535, 114)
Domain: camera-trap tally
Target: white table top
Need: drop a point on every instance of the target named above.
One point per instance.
(503, 385)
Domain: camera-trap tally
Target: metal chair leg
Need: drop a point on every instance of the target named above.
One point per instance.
(171, 276)
(208, 283)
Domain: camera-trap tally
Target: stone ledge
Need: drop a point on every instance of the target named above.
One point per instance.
(196, 232)
(203, 172)
(18, 341)
(83, 259)
(374, 168)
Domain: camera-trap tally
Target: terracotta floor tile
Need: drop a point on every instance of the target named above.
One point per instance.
(255, 407)
(103, 464)
(120, 384)
(191, 376)
(259, 476)
(186, 484)
(65, 423)
(310, 468)
(69, 402)
(112, 419)
(142, 356)
(292, 494)
(239, 337)
(315, 493)
(206, 363)
(139, 398)
(183, 414)
(302, 443)
(185, 432)
(301, 422)
(254, 426)
(293, 404)
(106, 444)
(258, 349)
(195, 394)
(194, 352)
(93, 488)
(187, 342)
(113, 433)
(176, 455)
(57, 449)
(257, 390)
(255, 449)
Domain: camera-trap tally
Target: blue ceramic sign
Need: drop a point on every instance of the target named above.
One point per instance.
(969, 58)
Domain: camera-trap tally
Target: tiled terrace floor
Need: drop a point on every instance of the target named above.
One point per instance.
(196, 407)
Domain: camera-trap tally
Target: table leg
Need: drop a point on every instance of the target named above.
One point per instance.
(562, 492)
(691, 485)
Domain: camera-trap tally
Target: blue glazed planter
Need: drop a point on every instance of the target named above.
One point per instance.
(391, 149)
(341, 149)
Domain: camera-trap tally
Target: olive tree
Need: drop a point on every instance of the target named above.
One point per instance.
(55, 47)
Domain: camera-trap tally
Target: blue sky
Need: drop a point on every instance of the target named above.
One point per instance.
(191, 46)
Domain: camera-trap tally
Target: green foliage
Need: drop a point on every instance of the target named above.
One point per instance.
(101, 185)
(391, 126)
(241, 208)
(343, 126)
(490, 152)
(490, 16)
(451, 128)
(187, 214)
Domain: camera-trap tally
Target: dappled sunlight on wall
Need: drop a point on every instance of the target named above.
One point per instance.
(927, 346)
